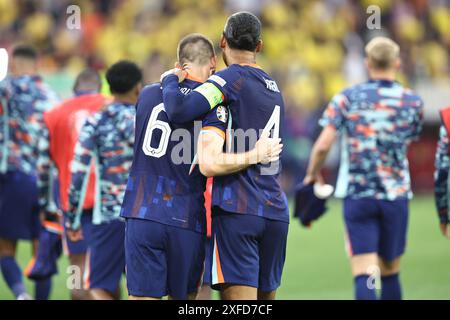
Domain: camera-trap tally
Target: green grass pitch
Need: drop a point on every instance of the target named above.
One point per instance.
(317, 266)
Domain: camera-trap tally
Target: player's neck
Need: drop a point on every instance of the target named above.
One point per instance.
(23, 67)
(382, 75)
(24, 72)
(241, 57)
(125, 98)
(198, 74)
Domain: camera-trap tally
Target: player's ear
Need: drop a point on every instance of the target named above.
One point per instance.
(178, 65)
(223, 42)
(397, 64)
(259, 46)
(137, 89)
(367, 63)
(213, 62)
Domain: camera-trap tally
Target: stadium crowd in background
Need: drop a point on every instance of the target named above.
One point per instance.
(316, 45)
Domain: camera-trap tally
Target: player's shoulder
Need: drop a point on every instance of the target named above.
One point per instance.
(229, 74)
(344, 96)
(150, 96)
(150, 93)
(358, 87)
(103, 115)
(150, 90)
(118, 109)
(411, 95)
(5, 86)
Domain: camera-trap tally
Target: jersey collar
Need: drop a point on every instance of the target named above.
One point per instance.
(192, 78)
(253, 65)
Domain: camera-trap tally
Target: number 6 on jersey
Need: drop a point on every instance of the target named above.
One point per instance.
(154, 123)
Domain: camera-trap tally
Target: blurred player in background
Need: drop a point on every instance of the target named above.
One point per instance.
(441, 177)
(376, 122)
(106, 140)
(250, 214)
(23, 100)
(63, 126)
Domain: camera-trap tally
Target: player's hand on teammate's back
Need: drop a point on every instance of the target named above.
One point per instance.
(267, 149)
(75, 235)
(445, 230)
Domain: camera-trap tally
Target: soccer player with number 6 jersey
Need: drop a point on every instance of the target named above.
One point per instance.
(250, 214)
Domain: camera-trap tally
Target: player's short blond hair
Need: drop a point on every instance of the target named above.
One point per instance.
(382, 52)
(195, 48)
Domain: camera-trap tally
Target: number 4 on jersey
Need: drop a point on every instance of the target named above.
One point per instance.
(274, 122)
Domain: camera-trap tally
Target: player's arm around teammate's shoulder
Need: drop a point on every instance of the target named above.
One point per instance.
(214, 162)
(220, 88)
(181, 108)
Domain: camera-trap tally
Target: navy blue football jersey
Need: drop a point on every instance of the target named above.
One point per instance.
(255, 105)
(163, 185)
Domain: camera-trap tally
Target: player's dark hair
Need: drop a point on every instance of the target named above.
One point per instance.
(242, 31)
(24, 51)
(123, 76)
(88, 79)
(195, 48)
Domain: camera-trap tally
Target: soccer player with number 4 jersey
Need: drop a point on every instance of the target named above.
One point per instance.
(250, 214)
(164, 202)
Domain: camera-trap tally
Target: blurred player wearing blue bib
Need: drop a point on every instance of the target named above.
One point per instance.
(250, 215)
(376, 122)
(164, 202)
